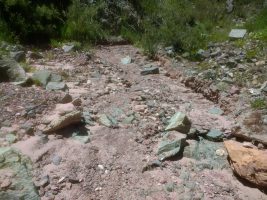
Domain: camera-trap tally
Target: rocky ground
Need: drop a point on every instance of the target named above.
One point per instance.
(112, 124)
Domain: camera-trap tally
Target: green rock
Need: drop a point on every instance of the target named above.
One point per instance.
(42, 77)
(169, 187)
(129, 119)
(179, 122)
(171, 145)
(150, 69)
(10, 70)
(11, 138)
(204, 152)
(215, 135)
(18, 56)
(87, 118)
(55, 78)
(19, 165)
(106, 120)
(56, 86)
(216, 111)
(82, 138)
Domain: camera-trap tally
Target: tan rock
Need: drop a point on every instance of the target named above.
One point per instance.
(64, 121)
(250, 164)
(63, 109)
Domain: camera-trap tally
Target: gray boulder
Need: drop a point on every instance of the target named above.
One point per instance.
(10, 70)
(42, 77)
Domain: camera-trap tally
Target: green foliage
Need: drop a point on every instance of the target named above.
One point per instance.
(82, 23)
(258, 25)
(187, 25)
(33, 20)
(259, 103)
(27, 67)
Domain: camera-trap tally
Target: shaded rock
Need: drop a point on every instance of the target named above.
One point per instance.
(19, 166)
(84, 139)
(126, 60)
(151, 165)
(88, 118)
(18, 56)
(77, 102)
(206, 153)
(25, 83)
(34, 55)
(171, 145)
(43, 182)
(149, 69)
(202, 54)
(237, 33)
(179, 122)
(67, 98)
(10, 70)
(56, 86)
(64, 121)
(215, 135)
(249, 164)
(42, 77)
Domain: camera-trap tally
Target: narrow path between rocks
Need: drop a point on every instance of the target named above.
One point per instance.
(128, 114)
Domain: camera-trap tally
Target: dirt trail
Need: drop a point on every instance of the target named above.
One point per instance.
(111, 165)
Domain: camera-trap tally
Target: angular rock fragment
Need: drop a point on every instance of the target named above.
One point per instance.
(172, 144)
(42, 77)
(179, 122)
(237, 33)
(215, 135)
(107, 121)
(250, 164)
(150, 69)
(126, 60)
(64, 121)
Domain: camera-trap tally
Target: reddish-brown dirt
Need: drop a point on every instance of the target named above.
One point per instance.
(110, 166)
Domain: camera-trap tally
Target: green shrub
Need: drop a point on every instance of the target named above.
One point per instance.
(259, 103)
(33, 20)
(82, 22)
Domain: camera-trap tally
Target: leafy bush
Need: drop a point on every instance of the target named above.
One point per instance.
(33, 20)
(259, 103)
(187, 25)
